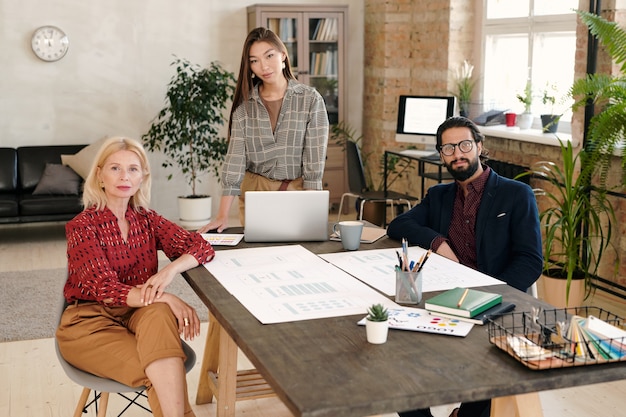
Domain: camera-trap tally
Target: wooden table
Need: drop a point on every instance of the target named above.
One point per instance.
(326, 368)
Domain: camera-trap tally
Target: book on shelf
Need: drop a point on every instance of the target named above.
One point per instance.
(463, 302)
(481, 318)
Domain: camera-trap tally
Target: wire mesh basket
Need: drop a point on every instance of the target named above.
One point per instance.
(558, 338)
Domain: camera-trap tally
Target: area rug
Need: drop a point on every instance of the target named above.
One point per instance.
(29, 302)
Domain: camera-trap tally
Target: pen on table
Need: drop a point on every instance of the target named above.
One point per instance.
(462, 297)
(399, 259)
(417, 265)
(405, 253)
(424, 261)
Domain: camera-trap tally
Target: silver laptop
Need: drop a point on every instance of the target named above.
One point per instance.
(286, 216)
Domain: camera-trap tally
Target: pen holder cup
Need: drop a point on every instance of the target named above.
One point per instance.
(408, 287)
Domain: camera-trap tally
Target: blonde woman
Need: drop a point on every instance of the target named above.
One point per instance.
(121, 323)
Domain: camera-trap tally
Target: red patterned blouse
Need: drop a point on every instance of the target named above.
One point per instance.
(102, 266)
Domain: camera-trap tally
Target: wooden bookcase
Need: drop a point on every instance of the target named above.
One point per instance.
(315, 37)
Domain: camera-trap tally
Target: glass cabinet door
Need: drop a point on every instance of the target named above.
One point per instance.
(287, 30)
(324, 62)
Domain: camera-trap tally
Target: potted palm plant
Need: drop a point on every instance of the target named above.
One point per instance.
(187, 131)
(608, 93)
(377, 324)
(577, 223)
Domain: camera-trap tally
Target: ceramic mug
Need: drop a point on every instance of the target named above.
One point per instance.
(350, 233)
(510, 119)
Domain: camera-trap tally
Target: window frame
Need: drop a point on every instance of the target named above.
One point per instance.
(529, 25)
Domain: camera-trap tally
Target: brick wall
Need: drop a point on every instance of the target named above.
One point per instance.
(414, 47)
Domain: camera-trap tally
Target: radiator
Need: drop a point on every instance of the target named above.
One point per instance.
(508, 170)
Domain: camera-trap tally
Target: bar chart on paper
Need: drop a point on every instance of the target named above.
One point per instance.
(289, 283)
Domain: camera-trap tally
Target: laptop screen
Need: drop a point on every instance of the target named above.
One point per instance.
(286, 216)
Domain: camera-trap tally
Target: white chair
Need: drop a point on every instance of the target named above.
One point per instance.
(101, 387)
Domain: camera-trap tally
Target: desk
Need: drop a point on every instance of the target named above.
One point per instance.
(439, 175)
(326, 368)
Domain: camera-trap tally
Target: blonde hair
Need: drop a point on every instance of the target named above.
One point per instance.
(93, 193)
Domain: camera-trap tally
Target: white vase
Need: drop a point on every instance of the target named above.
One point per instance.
(194, 212)
(525, 120)
(376, 331)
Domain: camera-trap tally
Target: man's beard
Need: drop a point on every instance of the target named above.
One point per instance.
(463, 174)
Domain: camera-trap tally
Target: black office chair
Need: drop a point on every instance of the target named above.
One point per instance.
(359, 189)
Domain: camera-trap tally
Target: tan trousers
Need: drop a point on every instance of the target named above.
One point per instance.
(119, 342)
(256, 182)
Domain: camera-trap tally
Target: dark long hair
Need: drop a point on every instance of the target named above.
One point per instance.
(245, 82)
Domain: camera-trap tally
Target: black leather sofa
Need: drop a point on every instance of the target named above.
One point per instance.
(22, 168)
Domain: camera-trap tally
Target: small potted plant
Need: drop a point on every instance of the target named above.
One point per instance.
(549, 121)
(377, 324)
(526, 118)
(465, 86)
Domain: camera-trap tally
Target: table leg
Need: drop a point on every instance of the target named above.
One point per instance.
(523, 405)
(227, 386)
(210, 357)
(219, 377)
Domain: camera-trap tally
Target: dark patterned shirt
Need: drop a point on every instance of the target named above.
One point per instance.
(462, 232)
(103, 267)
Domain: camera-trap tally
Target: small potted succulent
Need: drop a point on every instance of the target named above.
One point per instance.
(377, 324)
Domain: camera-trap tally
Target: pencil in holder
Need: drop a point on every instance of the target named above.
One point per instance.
(408, 287)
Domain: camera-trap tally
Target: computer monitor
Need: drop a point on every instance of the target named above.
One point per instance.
(420, 116)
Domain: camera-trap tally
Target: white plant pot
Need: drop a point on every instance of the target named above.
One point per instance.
(525, 120)
(194, 212)
(376, 331)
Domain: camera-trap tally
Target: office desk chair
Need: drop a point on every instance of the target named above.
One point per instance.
(103, 386)
(359, 189)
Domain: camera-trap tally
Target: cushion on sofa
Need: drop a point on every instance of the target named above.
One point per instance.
(58, 179)
(32, 160)
(81, 161)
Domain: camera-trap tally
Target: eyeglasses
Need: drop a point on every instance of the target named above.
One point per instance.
(465, 146)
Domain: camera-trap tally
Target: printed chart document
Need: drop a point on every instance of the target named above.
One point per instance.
(289, 283)
(376, 267)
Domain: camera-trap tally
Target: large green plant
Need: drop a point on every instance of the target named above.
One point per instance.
(577, 222)
(397, 167)
(187, 129)
(608, 92)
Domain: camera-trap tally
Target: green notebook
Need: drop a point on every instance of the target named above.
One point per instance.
(474, 303)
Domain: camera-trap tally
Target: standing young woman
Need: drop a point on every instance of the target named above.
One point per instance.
(278, 128)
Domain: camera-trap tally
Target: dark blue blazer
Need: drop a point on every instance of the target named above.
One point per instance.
(508, 236)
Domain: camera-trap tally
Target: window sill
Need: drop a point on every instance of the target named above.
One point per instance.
(526, 135)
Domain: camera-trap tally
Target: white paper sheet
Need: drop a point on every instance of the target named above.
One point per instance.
(376, 268)
(289, 283)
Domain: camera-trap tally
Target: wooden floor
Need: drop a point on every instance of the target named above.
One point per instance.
(32, 384)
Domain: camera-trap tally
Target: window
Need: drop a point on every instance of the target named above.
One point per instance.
(529, 40)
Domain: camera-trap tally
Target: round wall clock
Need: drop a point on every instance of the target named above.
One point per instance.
(50, 43)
